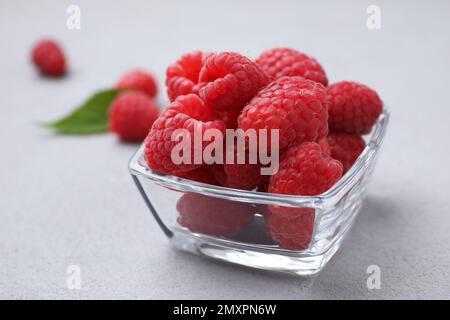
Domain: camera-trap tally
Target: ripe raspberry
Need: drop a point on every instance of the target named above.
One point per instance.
(229, 80)
(345, 147)
(244, 176)
(49, 58)
(281, 62)
(182, 76)
(138, 80)
(131, 116)
(213, 216)
(294, 105)
(291, 228)
(187, 112)
(235, 174)
(352, 107)
(304, 170)
(239, 176)
(203, 174)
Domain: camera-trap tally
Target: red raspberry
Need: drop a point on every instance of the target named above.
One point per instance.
(49, 58)
(291, 228)
(239, 176)
(138, 80)
(186, 112)
(229, 80)
(203, 174)
(182, 76)
(346, 147)
(131, 116)
(294, 105)
(213, 216)
(244, 176)
(281, 62)
(352, 107)
(304, 170)
(235, 174)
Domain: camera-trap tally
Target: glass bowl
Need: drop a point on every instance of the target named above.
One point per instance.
(229, 224)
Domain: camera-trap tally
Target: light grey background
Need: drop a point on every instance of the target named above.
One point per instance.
(69, 200)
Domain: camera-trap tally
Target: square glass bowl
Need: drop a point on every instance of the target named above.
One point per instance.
(229, 224)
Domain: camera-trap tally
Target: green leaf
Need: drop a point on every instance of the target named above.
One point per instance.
(90, 117)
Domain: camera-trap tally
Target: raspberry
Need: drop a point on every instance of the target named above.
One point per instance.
(304, 170)
(49, 58)
(131, 116)
(229, 80)
(138, 80)
(352, 107)
(186, 112)
(281, 62)
(290, 228)
(213, 216)
(182, 76)
(294, 105)
(202, 174)
(235, 174)
(239, 176)
(244, 176)
(345, 147)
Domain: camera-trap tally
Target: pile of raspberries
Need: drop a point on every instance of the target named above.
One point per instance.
(282, 89)
(320, 128)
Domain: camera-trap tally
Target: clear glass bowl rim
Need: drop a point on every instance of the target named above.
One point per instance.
(138, 167)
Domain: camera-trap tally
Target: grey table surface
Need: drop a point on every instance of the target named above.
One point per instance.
(67, 200)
